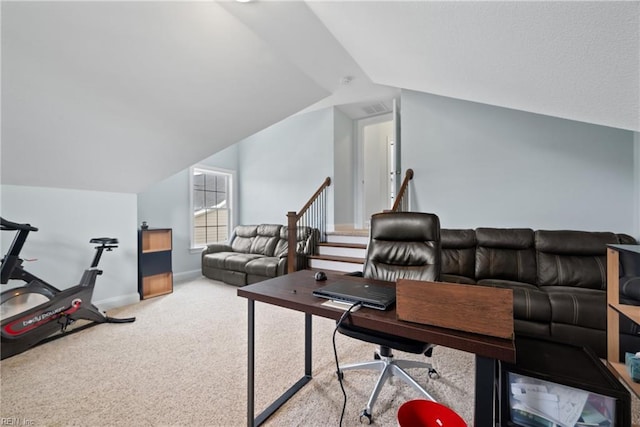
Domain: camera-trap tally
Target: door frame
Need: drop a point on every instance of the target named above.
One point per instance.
(359, 220)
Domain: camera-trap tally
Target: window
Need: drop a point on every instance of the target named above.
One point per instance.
(211, 205)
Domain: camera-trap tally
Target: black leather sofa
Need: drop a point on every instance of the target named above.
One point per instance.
(558, 279)
(255, 253)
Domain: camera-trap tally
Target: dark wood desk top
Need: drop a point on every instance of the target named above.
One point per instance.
(294, 291)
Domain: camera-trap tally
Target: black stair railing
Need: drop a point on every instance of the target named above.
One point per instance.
(312, 215)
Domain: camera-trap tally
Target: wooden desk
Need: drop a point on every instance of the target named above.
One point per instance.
(294, 291)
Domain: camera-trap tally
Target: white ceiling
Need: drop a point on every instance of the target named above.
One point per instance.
(114, 96)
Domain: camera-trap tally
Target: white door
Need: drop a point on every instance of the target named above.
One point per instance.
(378, 165)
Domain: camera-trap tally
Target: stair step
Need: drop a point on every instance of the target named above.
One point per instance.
(336, 263)
(349, 250)
(350, 231)
(352, 260)
(358, 239)
(344, 245)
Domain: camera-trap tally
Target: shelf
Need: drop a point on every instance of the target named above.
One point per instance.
(156, 285)
(155, 277)
(630, 311)
(156, 240)
(615, 310)
(620, 370)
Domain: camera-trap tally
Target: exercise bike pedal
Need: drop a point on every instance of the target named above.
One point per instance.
(65, 322)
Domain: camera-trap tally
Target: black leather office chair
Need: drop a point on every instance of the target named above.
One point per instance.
(401, 245)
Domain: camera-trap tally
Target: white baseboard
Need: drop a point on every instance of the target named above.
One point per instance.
(186, 276)
(122, 300)
(116, 302)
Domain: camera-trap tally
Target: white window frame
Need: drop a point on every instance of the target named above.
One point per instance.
(230, 200)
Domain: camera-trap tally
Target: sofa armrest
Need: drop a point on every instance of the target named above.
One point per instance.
(216, 247)
(630, 288)
(282, 265)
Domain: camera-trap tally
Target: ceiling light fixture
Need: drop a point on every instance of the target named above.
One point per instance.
(346, 80)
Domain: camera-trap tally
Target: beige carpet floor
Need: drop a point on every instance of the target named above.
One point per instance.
(183, 363)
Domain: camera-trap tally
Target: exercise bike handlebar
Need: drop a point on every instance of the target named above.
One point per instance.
(9, 225)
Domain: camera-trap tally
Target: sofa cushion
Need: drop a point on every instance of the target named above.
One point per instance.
(454, 278)
(242, 238)
(282, 245)
(571, 242)
(529, 302)
(575, 271)
(265, 266)
(578, 306)
(458, 255)
(305, 242)
(216, 260)
(505, 253)
(239, 261)
(263, 245)
(265, 241)
(307, 239)
(573, 258)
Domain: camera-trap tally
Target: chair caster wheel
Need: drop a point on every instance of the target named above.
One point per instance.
(376, 356)
(433, 374)
(365, 418)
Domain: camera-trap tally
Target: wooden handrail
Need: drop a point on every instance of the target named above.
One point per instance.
(292, 224)
(325, 184)
(408, 176)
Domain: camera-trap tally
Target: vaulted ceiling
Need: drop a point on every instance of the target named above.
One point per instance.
(114, 96)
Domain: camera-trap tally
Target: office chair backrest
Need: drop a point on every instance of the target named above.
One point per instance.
(403, 245)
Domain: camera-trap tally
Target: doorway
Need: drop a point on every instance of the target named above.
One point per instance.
(378, 166)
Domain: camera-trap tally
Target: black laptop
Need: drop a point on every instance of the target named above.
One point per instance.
(369, 294)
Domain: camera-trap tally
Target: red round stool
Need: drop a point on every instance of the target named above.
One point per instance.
(426, 413)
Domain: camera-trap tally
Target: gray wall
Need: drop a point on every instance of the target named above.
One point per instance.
(167, 205)
(475, 165)
(479, 165)
(283, 165)
(66, 221)
(344, 161)
(277, 170)
(636, 180)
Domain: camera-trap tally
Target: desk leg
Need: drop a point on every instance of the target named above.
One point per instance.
(251, 363)
(251, 422)
(485, 399)
(308, 347)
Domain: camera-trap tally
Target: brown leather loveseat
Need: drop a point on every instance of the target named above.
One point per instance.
(558, 279)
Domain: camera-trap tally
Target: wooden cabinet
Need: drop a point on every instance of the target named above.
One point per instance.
(155, 276)
(615, 310)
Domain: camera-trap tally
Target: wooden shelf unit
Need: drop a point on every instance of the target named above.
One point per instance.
(156, 240)
(155, 276)
(614, 310)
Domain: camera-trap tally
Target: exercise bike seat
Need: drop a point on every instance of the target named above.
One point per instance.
(104, 240)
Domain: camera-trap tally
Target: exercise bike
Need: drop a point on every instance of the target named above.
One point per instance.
(39, 312)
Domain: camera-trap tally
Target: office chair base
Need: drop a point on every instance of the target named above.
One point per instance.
(388, 367)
